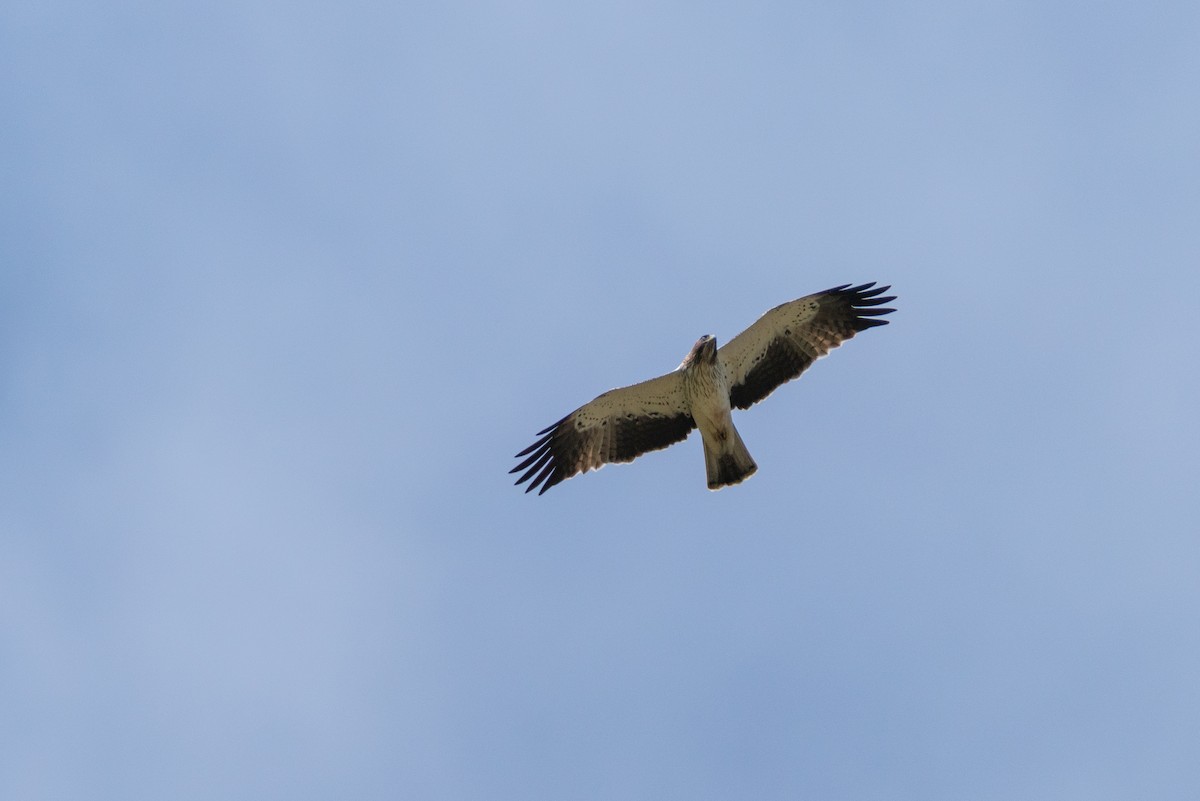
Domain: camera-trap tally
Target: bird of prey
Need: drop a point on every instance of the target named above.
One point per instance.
(624, 423)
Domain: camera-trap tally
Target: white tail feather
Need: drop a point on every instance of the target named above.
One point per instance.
(726, 459)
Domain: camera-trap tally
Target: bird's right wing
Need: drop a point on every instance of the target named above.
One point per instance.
(786, 340)
(618, 426)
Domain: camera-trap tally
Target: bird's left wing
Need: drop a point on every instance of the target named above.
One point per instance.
(786, 340)
(618, 426)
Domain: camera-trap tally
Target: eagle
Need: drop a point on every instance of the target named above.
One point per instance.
(624, 423)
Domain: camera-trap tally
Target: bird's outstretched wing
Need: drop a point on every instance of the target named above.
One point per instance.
(787, 339)
(618, 426)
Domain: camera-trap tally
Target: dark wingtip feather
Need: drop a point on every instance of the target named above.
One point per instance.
(871, 300)
(552, 426)
(542, 477)
(542, 459)
(533, 457)
(864, 299)
(539, 461)
(861, 292)
(530, 449)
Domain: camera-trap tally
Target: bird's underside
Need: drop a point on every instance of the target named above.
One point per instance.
(624, 423)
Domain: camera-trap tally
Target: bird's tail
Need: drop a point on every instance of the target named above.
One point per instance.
(726, 459)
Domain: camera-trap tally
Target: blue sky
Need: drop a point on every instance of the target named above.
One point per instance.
(283, 288)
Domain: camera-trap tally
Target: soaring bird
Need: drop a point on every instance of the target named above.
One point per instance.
(624, 423)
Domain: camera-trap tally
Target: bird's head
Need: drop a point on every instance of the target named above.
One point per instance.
(703, 352)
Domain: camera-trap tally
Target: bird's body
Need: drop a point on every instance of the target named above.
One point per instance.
(624, 423)
(706, 388)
